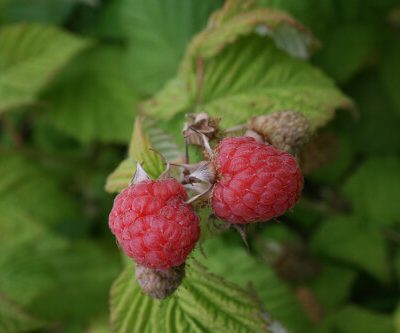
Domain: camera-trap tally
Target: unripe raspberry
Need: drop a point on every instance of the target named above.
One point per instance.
(160, 283)
(286, 130)
(153, 224)
(255, 182)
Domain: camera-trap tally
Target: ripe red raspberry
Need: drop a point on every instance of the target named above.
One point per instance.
(153, 224)
(255, 182)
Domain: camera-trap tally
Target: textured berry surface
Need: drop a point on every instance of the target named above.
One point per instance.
(153, 225)
(255, 182)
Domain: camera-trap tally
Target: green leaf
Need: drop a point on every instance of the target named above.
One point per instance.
(43, 11)
(30, 56)
(154, 28)
(390, 73)
(83, 276)
(333, 285)
(93, 98)
(372, 187)
(142, 150)
(204, 303)
(15, 320)
(239, 267)
(340, 57)
(252, 77)
(25, 271)
(397, 265)
(348, 240)
(377, 117)
(356, 319)
(397, 319)
(237, 19)
(28, 188)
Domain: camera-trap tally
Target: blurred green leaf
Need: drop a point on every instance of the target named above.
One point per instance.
(372, 189)
(346, 51)
(333, 285)
(93, 98)
(360, 244)
(27, 187)
(147, 143)
(204, 303)
(397, 319)
(372, 131)
(83, 274)
(25, 271)
(157, 33)
(353, 319)
(30, 56)
(390, 72)
(43, 11)
(15, 320)
(239, 267)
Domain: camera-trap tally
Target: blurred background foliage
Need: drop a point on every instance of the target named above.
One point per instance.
(72, 75)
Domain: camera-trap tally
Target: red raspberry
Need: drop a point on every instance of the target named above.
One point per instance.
(153, 224)
(256, 182)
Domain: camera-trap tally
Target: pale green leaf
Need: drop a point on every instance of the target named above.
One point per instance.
(350, 241)
(237, 19)
(241, 268)
(204, 303)
(373, 189)
(30, 56)
(120, 177)
(93, 98)
(147, 143)
(157, 32)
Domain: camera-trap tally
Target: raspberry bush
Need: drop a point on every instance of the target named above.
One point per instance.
(199, 166)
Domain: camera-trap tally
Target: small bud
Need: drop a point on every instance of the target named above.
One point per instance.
(160, 283)
(198, 124)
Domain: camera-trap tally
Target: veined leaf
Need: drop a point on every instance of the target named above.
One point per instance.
(30, 56)
(93, 98)
(276, 296)
(147, 143)
(252, 77)
(348, 240)
(204, 303)
(239, 18)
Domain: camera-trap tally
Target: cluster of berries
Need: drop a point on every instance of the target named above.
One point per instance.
(248, 180)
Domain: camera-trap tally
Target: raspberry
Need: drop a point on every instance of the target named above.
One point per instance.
(255, 182)
(153, 224)
(160, 283)
(286, 130)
